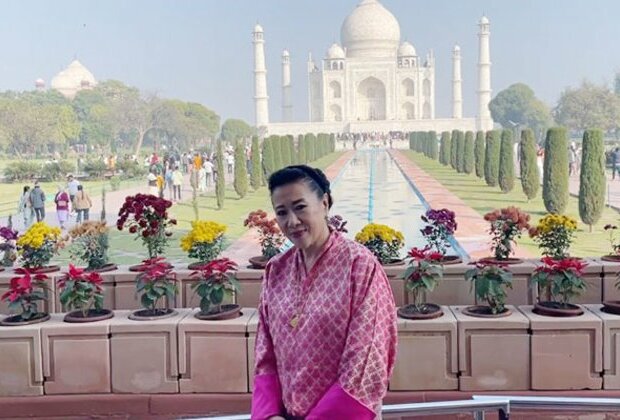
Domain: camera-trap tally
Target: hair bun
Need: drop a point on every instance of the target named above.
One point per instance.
(322, 180)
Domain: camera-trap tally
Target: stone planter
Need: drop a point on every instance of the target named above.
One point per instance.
(76, 357)
(108, 292)
(611, 347)
(567, 353)
(395, 274)
(453, 289)
(186, 298)
(21, 367)
(521, 292)
(251, 328)
(610, 278)
(144, 354)
(125, 290)
(213, 355)
(48, 306)
(594, 280)
(494, 353)
(427, 354)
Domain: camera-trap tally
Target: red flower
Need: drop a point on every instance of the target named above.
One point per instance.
(217, 269)
(417, 254)
(133, 229)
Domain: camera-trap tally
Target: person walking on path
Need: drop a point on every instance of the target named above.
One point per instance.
(615, 163)
(82, 204)
(169, 182)
(208, 165)
(72, 187)
(24, 208)
(151, 180)
(177, 181)
(37, 200)
(62, 206)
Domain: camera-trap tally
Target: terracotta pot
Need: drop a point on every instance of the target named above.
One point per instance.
(611, 307)
(41, 270)
(93, 315)
(16, 320)
(138, 268)
(149, 315)
(226, 312)
(394, 263)
(451, 259)
(107, 267)
(507, 261)
(557, 309)
(259, 262)
(482, 311)
(1, 269)
(197, 265)
(611, 258)
(427, 311)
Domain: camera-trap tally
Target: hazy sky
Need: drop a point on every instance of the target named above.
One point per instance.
(200, 50)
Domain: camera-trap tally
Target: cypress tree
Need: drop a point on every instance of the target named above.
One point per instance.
(255, 178)
(241, 173)
(301, 149)
(410, 141)
(530, 176)
(434, 149)
(418, 141)
(444, 149)
(555, 171)
(277, 152)
(460, 152)
(291, 150)
(220, 183)
(468, 164)
(592, 178)
(491, 158)
(332, 143)
(269, 164)
(307, 147)
(479, 150)
(454, 145)
(506, 162)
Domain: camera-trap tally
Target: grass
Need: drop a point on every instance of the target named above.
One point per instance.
(482, 198)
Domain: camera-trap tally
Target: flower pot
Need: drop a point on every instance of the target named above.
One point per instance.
(152, 315)
(16, 320)
(556, 309)
(394, 263)
(226, 312)
(93, 315)
(426, 311)
(104, 269)
(259, 262)
(138, 268)
(611, 307)
(451, 259)
(507, 261)
(197, 265)
(482, 311)
(1, 269)
(611, 258)
(41, 270)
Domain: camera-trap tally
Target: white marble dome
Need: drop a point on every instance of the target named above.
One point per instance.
(406, 50)
(370, 31)
(73, 79)
(335, 52)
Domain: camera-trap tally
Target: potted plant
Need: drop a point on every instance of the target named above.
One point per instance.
(337, 223)
(489, 282)
(383, 241)
(440, 226)
(216, 280)
(506, 225)
(271, 238)
(24, 293)
(554, 234)
(155, 283)
(8, 245)
(146, 216)
(422, 275)
(82, 292)
(37, 246)
(559, 281)
(204, 242)
(90, 243)
(614, 255)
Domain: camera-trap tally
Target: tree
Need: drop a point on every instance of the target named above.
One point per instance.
(255, 178)
(241, 173)
(491, 158)
(444, 148)
(291, 150)
(220, 183)
(518, 105)
(468, 163)
(555, 171)
(479, 153)
(233, 129)
(269, 164)
(530, 176)
(301, 150)
(592, 178)
(276, 149)
(454, 147)
(589, 105)
(285, 152)
(460, 152)
(506, 162)
(434, 152)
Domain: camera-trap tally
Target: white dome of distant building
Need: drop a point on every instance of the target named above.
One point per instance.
(285, 53)
(457, 48)
(39, 84)
(74, 78)
(370, 31)
(484, 20)
(335, 52)
(406, 50)
(258, 28)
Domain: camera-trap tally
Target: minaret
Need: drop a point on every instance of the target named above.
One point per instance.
(484, 75)
(261, 100)
(287, 105)
(457, 90)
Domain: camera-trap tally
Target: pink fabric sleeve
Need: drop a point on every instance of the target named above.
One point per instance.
(367, 360)
(267, 393)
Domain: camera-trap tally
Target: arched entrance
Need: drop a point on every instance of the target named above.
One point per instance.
(371, 100)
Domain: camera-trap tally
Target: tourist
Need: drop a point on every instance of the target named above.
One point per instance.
(37, 200)
(326, 338)
(82, 204)
(202, 179)
(572, 160)
(615, 162)
(177, 181)
(160, 185)
(169, 181)
(230, 162)
(72, 187)
(62, 206)
(151, 180)
(24, 208)
(208, 165)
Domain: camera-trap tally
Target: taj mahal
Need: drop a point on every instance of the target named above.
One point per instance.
(372, 82)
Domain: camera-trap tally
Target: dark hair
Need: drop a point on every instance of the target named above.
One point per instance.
(26, 189)
(314, 177)
(79, 187)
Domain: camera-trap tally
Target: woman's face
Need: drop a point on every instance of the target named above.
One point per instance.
(300, 213)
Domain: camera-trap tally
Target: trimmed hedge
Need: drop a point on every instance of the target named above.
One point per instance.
(255, 178)
(479, 153)
(468, 163)
(491, 158)
(444, 148)
(592, 178)
(530, 176)
(506, 162)
(220, 183)
(241, 173)
(460, 152)
(269, 164)
(454, 146)
(434, 149)
(555, 173)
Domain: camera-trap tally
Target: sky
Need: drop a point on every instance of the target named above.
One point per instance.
(201, 50)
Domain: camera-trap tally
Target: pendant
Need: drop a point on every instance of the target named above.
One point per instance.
(294, 321)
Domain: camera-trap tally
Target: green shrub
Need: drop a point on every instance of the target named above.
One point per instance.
(95, 168)
(506, 162)
(592, 178)
(301, 149)
(241, 173)
(530, 176)
(434, 149)
(491, 158)
(468, 163)
(268, 160)
(460, 152)
(454, 147)
(56, 171)
(255, 179)
(555, 171)
(444, 148)
(115, 183)
(277, 152)
(131, 169)
(22, 170)
(220, 183)
(479, 152)
(291, 150)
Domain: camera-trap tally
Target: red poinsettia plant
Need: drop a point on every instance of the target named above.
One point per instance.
(156, 282)
(506, 226)
(147, 216)
(24, 292)
(216, 280)
(423, 274)
(81, 290)
(270, 235)
(561, 279)
(489, 281)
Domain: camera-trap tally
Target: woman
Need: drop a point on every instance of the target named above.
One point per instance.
(25, 207)
(151, 180)
(83, 204)
(62, 206)
(326, 339)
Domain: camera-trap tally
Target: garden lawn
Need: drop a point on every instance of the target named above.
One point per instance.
(482, 198)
